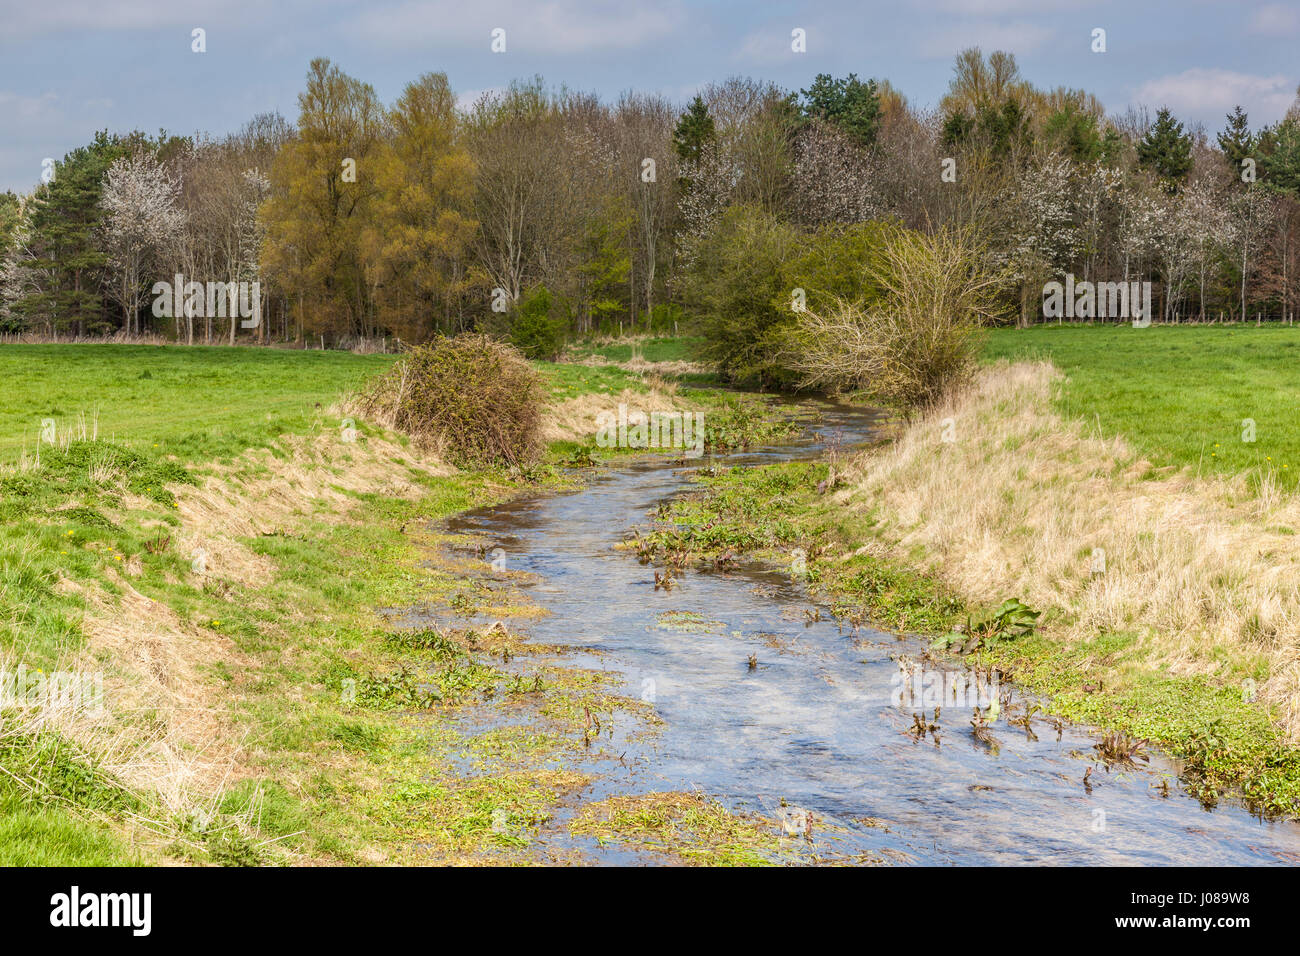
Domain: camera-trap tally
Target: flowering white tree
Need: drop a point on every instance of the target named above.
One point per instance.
(1175, 245)
(1250, 212)
(1207, 220)
(20, 277)
(251, 231)
(1139, 224)
(1046, 231)
(1044, 236)
(143, 225)
(710, 184)
(834, 178)
(1098, 195)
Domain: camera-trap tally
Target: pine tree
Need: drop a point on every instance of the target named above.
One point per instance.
(1166, 150)
(848, 103)
(1280, 157)
(67, 267)
(695, 131)
(1236, 140)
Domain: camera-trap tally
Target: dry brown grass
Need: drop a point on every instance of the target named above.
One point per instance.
(575, 419)
(1014, 506)
(169, 729)
(640, 366)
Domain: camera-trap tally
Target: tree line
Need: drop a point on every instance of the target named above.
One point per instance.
(538, 213)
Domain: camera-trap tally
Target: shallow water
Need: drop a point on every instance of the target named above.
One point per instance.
(817, 723)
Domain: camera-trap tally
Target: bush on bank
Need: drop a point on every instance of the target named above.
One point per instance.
(472, 399)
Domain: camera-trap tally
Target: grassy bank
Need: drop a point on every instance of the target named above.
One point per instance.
(226, 576)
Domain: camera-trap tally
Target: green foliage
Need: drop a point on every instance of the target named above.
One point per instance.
(983, 629)
(915, 335)
(1074, 132)
(1236, 140)
(63, 291)
(1005, 130)
(847, 103)
(604, 263)
(664, 318)
(538, 325)
(1280, 157)
(735, 287)
(839, 262)
(694, 132)
(1166, 150)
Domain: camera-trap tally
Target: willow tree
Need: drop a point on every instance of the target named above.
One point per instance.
(418, 239)
(323, 182)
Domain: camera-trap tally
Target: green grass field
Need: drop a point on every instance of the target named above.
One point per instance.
(198, 404)
(1180, 395)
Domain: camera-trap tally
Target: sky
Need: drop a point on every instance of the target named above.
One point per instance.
(71, 67)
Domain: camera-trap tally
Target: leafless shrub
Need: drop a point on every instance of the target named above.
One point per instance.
(920, 340)
(471, 398)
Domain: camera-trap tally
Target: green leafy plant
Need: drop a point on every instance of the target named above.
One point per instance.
(1007, 621)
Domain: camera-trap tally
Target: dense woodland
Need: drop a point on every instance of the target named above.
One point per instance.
(538, 213)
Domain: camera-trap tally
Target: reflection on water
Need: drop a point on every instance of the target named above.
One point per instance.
(817, 722)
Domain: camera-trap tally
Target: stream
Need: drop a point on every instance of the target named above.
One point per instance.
(816, 723)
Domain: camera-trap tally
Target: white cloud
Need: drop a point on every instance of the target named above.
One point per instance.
(1208, 94)
(26, 18)
(551, 27)
(16, 106)
(465, 99)
(1275, 19)
(772, 44)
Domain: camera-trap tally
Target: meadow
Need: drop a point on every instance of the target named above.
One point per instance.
(1181, 395)
(199, 404)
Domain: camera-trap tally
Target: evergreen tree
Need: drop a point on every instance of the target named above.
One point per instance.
(848, 103)
(1166, 150)
(1075, 133)
(1280, 157)
(8, 218)
(65, 225)
(694, 132)
(1236, 140)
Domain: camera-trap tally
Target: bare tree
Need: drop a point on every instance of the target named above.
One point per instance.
(648, 170)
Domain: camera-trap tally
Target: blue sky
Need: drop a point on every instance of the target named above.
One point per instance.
(69, 67)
